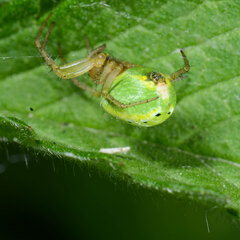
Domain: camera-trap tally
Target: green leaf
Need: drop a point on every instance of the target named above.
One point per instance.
(195, 154)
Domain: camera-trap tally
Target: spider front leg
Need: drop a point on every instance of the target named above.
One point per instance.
(75, 80)
(66, 71)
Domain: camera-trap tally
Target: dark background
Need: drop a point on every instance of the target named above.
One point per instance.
(51, 198)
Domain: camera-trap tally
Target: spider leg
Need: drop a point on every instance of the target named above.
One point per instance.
(97, 50)
(123, 105)
(47, 35)
(66, 71)
(75, 80)
(87, 45)
(183, 70)
(43, 26)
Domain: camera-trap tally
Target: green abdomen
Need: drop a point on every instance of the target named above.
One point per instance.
(134, 86)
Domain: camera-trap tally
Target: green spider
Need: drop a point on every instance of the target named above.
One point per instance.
(132, 93)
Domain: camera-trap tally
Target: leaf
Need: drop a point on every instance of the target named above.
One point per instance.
(195, 154)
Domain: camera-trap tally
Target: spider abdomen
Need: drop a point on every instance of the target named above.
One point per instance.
(135, 85)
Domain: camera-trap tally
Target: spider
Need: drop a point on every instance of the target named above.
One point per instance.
(138, 95)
